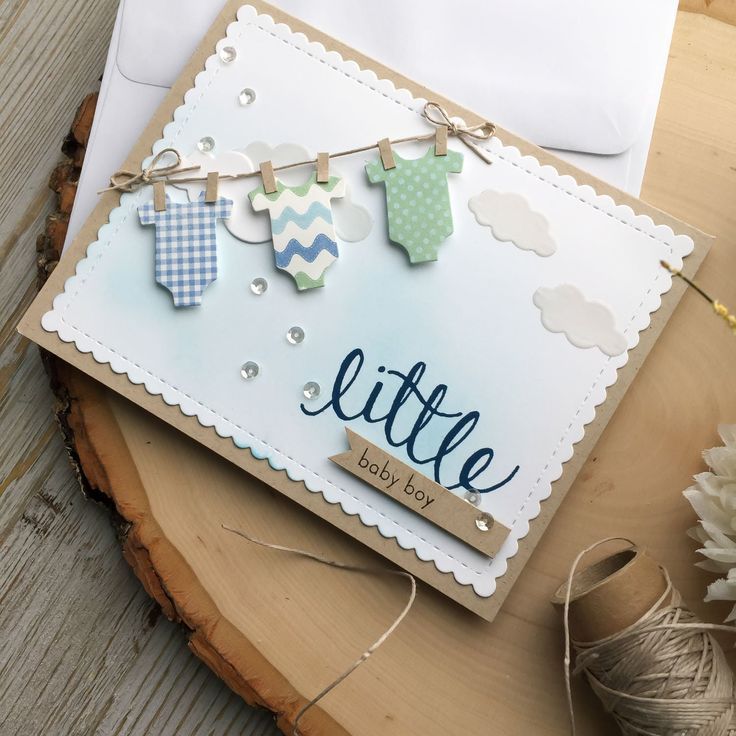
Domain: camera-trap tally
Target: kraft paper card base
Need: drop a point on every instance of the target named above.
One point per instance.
(485, 356)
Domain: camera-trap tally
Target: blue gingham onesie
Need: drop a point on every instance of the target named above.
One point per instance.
(186, 245)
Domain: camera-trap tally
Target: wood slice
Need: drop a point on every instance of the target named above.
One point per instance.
(277, 628)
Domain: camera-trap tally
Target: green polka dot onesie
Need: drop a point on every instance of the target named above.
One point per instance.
(418, 201)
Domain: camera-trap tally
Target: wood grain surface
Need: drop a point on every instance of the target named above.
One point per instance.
(724, 10)
(83, 650)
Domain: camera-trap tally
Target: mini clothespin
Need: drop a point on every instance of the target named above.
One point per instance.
(159, 196)
(323, 168)
(440, 141)
(387, 155)
(213, 183)
(268, 177)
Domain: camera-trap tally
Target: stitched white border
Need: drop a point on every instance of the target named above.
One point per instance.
(483, 582)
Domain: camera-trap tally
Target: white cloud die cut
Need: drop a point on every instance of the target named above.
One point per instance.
(352, 221)
(584, 323)
(511, 219)
(242, 221)
(245, 224)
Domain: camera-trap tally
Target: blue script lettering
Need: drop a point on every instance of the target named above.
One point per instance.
(429, 408)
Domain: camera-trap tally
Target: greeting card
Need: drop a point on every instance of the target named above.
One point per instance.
(413, 317)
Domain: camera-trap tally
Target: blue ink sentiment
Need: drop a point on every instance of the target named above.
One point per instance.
(427, 407)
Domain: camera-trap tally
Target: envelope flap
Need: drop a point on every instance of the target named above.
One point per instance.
(153, 34)
(573, 75)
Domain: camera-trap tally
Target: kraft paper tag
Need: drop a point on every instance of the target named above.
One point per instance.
(422, 495)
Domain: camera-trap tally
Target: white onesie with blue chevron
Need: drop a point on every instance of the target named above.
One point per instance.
(304, 240)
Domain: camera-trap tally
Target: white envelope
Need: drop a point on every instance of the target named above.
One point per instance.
(574, 75)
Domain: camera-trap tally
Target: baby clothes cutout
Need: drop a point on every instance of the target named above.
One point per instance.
(303, 233)
(418, 201)
(186, 245)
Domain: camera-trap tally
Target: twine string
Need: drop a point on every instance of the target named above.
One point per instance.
(718, 307)
(128, 181)
(663, 674)
(352, 568)
(467, 134)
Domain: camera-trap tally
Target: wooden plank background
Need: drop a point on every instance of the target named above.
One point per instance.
(82, 648)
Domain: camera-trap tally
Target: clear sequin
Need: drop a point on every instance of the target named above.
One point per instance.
(472, 497)
(228, 54)
(295, 335)
(311, 390)
(206, 144)
(249, 370)
(258, 285)
(484, 522)
(247, 96)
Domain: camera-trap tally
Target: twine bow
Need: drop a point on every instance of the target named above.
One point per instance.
(128, 181)
(468, 134)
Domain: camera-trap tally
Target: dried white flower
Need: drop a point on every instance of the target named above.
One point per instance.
(714, 499)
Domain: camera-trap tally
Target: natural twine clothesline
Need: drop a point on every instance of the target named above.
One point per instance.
(343, 566)
(125, 180)
(665, 675)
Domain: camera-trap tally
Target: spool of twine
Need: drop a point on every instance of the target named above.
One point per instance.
(655, 666)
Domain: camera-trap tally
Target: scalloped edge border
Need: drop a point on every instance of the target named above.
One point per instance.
(484, 583)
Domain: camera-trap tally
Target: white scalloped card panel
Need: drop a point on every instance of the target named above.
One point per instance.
(446, 365)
